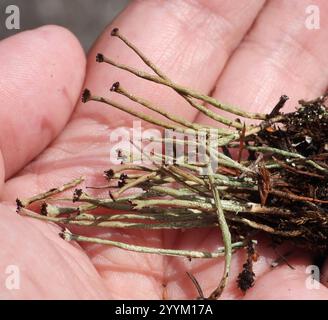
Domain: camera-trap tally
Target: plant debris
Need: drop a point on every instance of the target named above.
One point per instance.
(247, 277)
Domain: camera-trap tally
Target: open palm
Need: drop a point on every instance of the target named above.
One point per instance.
(244, 52)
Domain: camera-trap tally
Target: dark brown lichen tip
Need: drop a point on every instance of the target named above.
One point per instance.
(44, 211)
(62, 233)
(19, 205)
(100, 57)
(284, 97)
(109, 174)
(86, 95)
(114, 32)
(77, 194)
(115, 86)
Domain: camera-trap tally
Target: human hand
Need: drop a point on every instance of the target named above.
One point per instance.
(246, 53)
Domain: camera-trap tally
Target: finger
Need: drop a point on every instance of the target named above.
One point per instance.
(41, 77)
(286, 284)
(278, 56)
(64, 272)
(189, 40)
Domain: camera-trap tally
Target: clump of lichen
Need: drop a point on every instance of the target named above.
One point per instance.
(280, 188)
